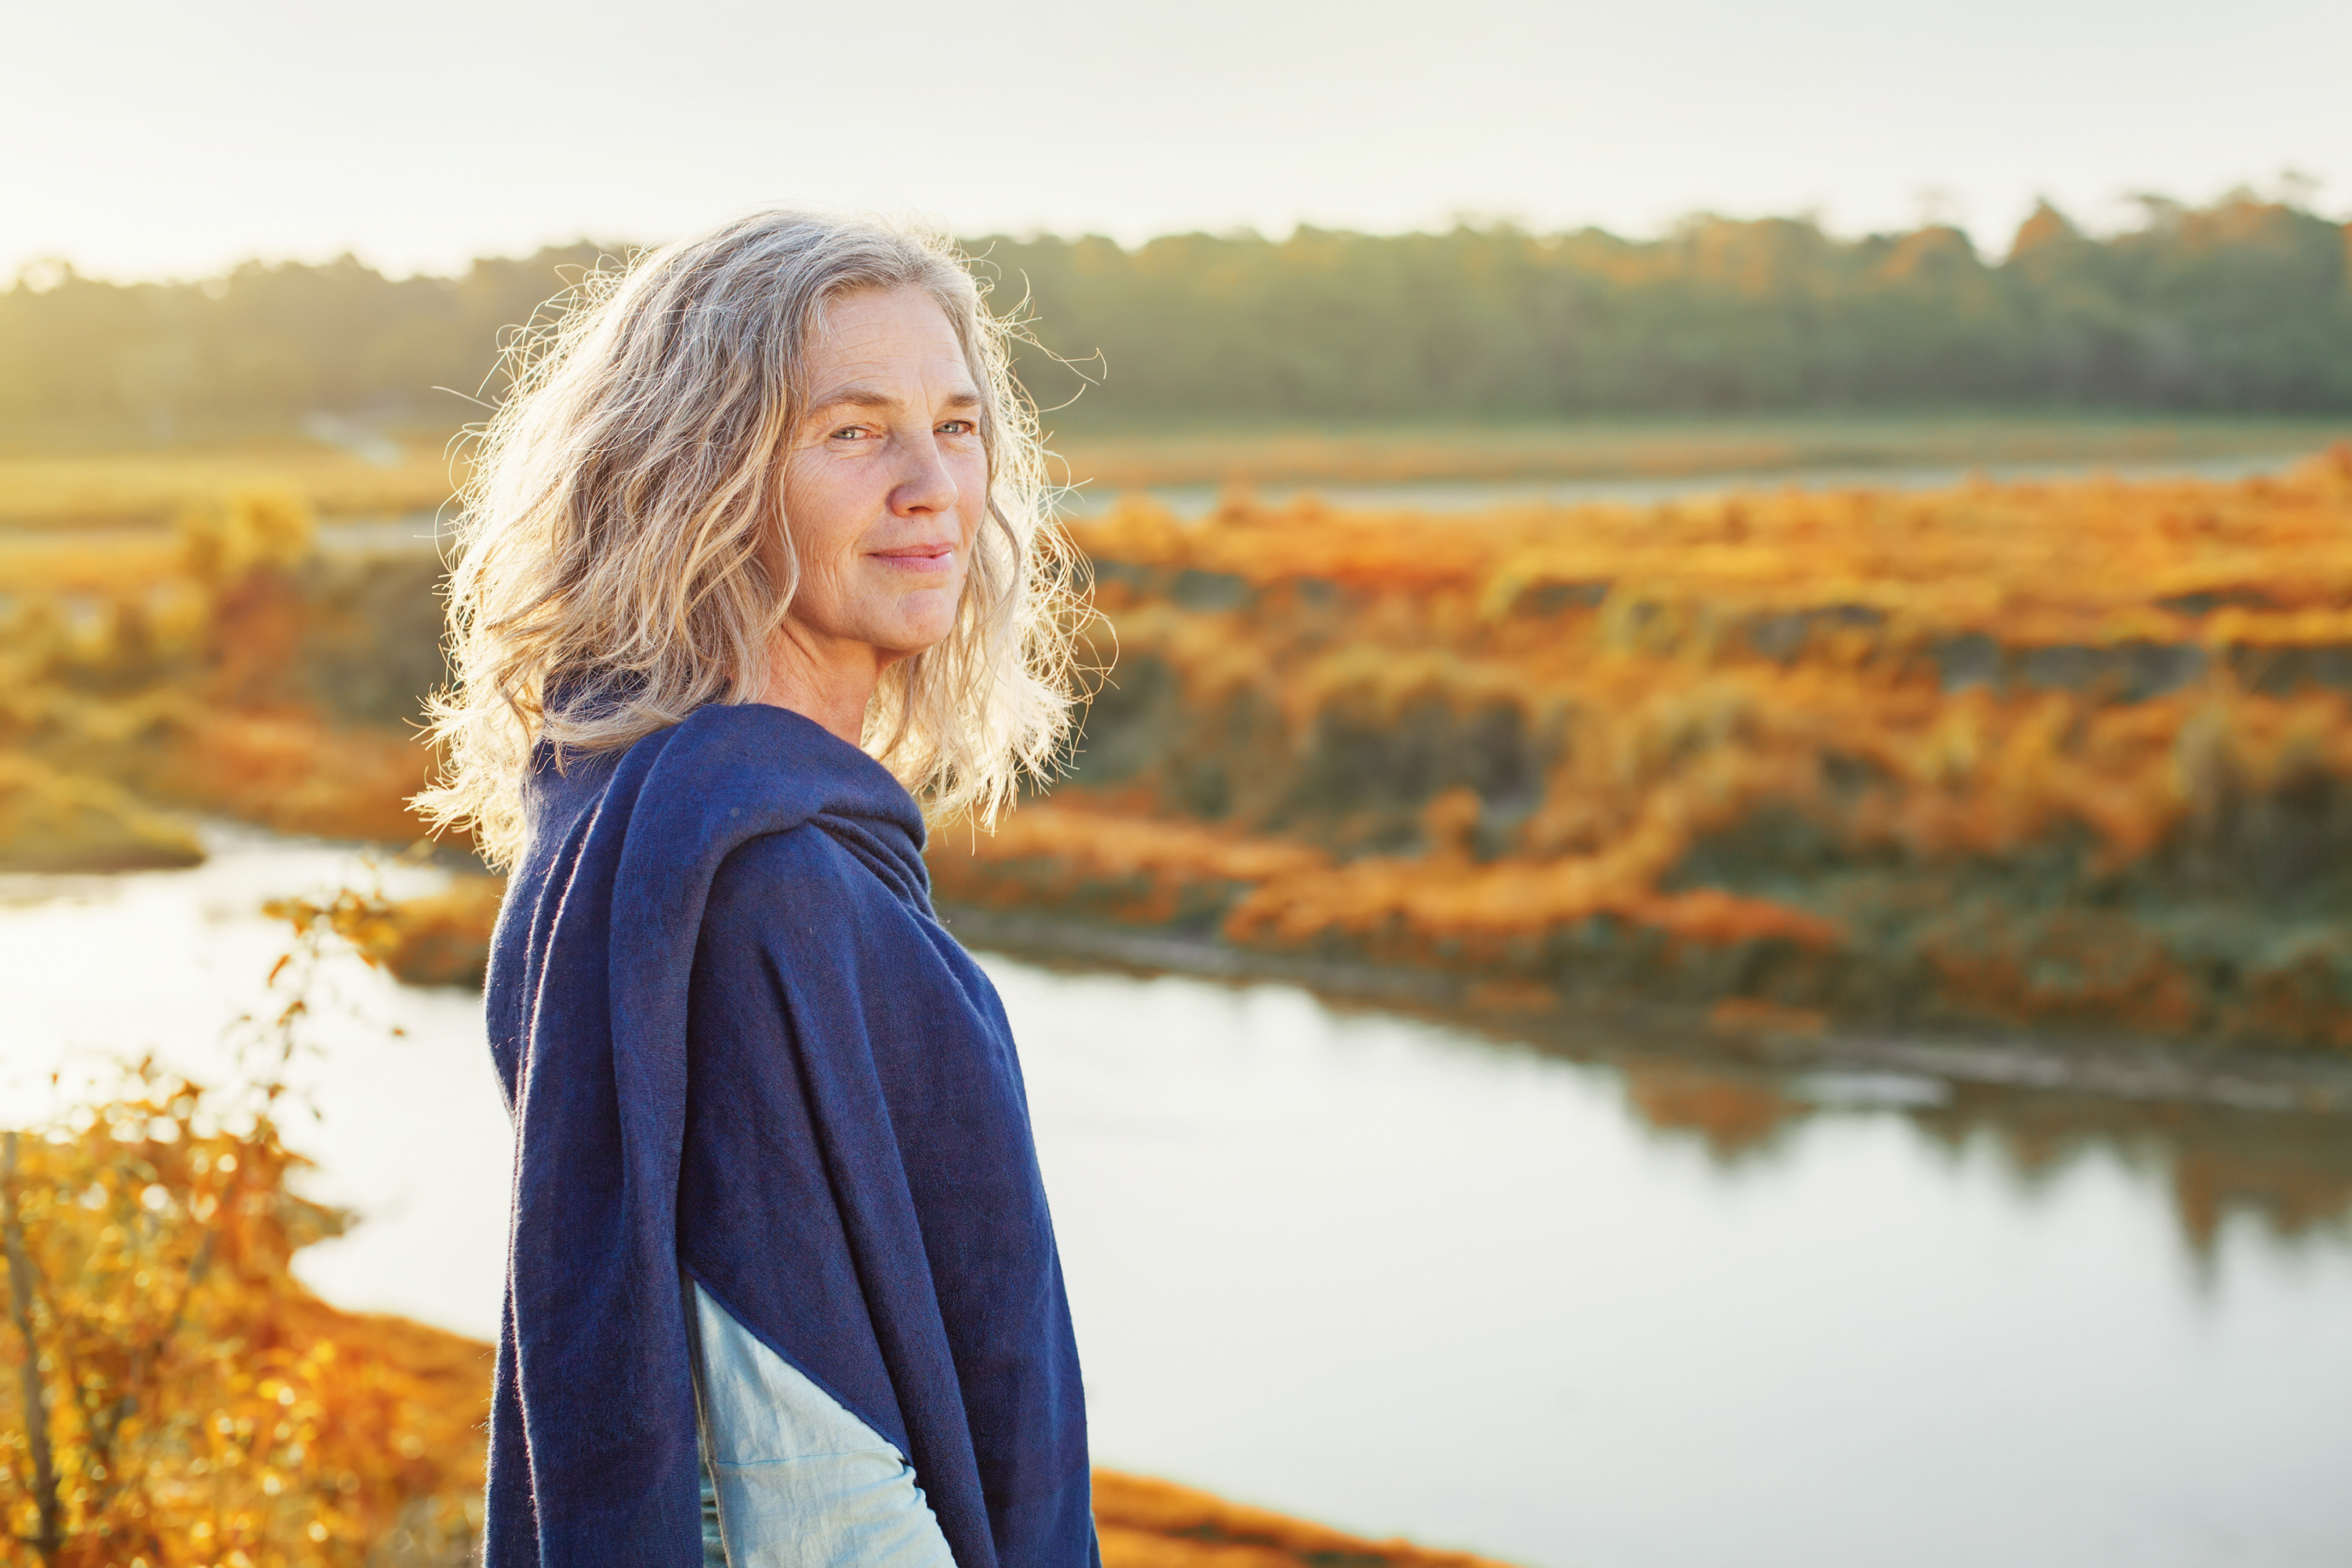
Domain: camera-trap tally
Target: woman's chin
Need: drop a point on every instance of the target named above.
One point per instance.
(906, 641)
(923, 620)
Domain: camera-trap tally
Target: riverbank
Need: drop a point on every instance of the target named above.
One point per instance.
(2144, 1070)
(2069, 763)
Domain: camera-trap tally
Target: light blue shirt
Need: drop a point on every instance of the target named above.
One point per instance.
(791, 1478)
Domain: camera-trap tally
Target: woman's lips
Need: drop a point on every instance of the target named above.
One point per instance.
(918, 557)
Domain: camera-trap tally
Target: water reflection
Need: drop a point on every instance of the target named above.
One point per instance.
(2288, 1172)
(1736, 1115)
(1619, 1308)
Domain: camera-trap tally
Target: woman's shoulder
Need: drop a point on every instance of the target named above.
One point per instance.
(698, 791)
(749, 819)
(810, 912)
(803, 859)
(827, 878)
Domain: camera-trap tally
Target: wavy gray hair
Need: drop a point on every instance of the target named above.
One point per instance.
(615, 542)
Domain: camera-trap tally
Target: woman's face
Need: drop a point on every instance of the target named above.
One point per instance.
(885, 483)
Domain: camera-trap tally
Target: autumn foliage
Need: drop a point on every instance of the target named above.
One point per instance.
(184, 1399)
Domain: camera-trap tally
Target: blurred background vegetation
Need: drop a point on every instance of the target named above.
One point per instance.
(2237, 308)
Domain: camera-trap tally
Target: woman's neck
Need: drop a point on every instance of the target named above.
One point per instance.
(830, 684)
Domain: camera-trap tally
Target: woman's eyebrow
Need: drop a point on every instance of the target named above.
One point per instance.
(859, 395)
(856, 394)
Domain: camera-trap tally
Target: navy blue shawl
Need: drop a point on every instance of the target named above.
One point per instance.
(735, 1042)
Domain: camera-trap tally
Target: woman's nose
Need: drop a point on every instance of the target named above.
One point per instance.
(924, 484)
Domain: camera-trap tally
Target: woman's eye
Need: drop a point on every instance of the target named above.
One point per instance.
(957, 427)
(851, 433)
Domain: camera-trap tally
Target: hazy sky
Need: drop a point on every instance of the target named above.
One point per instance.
(144, 139)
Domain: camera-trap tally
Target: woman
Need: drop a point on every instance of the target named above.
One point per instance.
(754, 558)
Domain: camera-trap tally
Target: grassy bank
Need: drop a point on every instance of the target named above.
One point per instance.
(2072, 758)
(2068, 758)
(221, 664)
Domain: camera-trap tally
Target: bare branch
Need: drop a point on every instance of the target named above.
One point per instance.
(51, 1541)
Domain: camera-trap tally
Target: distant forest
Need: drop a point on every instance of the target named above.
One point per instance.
(2241, 306)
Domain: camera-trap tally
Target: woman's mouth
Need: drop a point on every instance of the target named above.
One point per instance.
(918, 557)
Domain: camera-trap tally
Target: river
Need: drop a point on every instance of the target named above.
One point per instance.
(1407, 1278)
(1476, 495)
(425, 532)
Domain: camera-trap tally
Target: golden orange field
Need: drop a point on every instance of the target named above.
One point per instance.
(2057, 755)
(2069, 753)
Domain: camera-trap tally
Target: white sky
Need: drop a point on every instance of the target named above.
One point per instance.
(141, 139)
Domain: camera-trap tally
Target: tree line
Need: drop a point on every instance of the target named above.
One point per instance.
(2244, 306)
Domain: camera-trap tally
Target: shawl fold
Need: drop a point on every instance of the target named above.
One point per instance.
(737, 1045)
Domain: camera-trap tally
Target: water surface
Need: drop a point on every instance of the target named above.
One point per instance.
(1409, 1279)
(1477, 495)
(427, 532)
